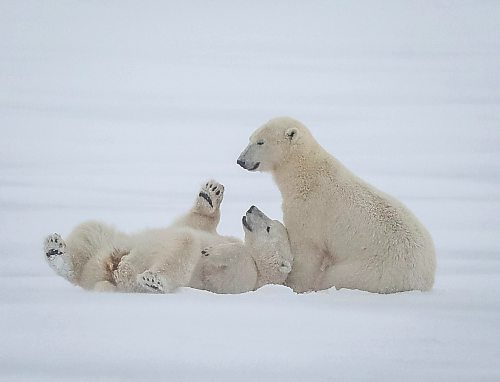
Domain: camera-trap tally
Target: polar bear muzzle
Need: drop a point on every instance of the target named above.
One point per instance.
(248, 166)
(247, 158)
(245, 223)
(255, 219)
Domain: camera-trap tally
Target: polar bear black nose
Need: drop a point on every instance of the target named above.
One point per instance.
(241, 163)
(250, 210)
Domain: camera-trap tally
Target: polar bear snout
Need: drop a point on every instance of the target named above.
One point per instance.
(247, 161)
(255, 219)
(248, 165)
(257, 214)
(249, 219)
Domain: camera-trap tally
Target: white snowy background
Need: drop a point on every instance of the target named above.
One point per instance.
(119, 110)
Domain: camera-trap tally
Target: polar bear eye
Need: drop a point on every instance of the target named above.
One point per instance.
(260, 143)
(268, 229)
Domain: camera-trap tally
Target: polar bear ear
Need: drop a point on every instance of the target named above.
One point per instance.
(292, 134)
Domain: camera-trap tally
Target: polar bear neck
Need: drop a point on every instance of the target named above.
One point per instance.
(304, 169)
(268, 269)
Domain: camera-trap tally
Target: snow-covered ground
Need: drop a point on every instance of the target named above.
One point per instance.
(118, 110)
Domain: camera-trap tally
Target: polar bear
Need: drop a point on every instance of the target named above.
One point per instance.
(188, 253)
(343, 231)
(264, 258)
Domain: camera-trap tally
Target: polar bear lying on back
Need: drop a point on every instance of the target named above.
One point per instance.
(343, 231)
(188, 253)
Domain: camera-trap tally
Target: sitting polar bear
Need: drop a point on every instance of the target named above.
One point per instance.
(343, 231)
(188, 253)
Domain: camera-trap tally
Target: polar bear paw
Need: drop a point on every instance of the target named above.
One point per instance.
(153, 282)
(285, 267)
(59, 260)
(212, 257)
(210, 197)
(54, 245)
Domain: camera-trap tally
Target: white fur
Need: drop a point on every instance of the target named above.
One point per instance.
(188, 253)
(343, 231)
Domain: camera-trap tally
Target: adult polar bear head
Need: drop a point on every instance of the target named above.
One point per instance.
(274, 143)
(264, 258)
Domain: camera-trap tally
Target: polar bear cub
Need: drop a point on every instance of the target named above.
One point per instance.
(223, 268)
(343, 231)
(190, 252)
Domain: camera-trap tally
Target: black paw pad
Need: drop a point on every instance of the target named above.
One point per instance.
(52, 253)
(206, 197)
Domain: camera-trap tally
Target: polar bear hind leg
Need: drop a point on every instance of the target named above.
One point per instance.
(176, 260)
(97, 273)
(104, 286)
(58, 257)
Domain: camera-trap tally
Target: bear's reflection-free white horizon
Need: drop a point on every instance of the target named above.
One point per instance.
(343, 231)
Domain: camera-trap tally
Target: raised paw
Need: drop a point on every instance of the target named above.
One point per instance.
(54, 245)
(56, 254)
(154, 282)
(210, 196)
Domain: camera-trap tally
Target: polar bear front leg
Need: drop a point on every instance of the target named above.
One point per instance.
(222, 255)
(205, 214)
(58, 257)
(209, 198)
(227, 268)
(307, 262)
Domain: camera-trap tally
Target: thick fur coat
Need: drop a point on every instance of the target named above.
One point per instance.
(343, 231)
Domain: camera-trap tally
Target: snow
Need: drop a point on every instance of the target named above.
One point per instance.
(117, 111)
